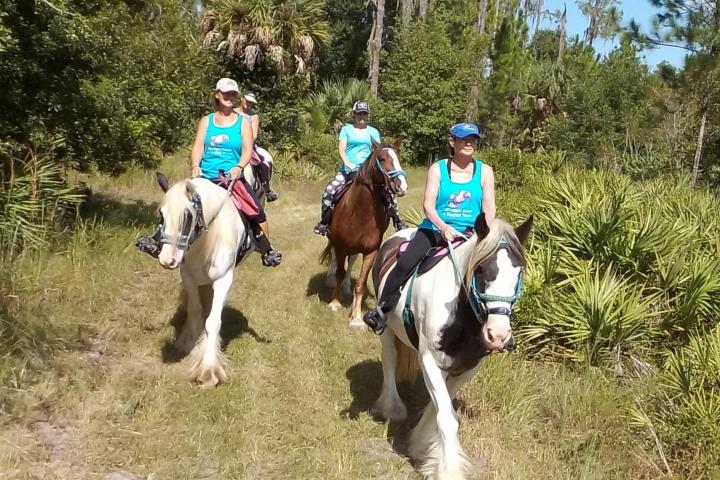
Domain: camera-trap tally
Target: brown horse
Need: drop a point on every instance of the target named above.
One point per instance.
(359, 222)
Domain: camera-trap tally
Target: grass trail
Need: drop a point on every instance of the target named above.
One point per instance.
(114, 401)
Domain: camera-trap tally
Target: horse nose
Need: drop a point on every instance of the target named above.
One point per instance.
(499, 340)
(400, 187)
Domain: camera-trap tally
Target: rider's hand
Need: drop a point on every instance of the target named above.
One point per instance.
(195, 172)
(449, 233)
(235, 172)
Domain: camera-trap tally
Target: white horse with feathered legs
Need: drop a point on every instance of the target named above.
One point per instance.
(202, 232)
(458, 312)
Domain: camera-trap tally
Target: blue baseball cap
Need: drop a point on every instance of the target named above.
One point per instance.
(463, 130)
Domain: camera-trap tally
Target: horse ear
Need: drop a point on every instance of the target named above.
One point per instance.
(162, 181)
(481, 226)
(190, 188)
(398, 142)
(523, 231)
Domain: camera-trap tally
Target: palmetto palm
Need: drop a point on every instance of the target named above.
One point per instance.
(282, 33)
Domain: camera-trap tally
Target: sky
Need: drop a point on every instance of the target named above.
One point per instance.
(640, 10)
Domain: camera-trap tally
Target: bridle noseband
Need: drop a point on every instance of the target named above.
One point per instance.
(389, 175)
(185, 240)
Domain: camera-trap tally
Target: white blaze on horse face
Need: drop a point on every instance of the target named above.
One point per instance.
(170, 256)
(401, 182)
(497, 330)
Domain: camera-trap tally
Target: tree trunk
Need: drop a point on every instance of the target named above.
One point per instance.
(375, 45)
(538, 14)
(563, 34)
(407, 7)
(495, 21)
(698, 149)
(482, 16)
(423, 6)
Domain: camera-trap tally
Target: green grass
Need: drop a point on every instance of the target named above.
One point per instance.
(300, 382)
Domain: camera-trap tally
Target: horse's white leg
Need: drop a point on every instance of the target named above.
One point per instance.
(208, 362)
(360, 288)
(438, 448)
(193, 320)
(389, 405)
(346, 283)
(330, 278)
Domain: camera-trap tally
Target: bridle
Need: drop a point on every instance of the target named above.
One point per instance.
(390, 175)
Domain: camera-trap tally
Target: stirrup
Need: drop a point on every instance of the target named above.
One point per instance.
(271, 196)
(148, 245)
(321, 229)
(376, 320)
(272, 258)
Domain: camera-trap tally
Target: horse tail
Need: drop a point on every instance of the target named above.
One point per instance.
(407, 362)
(326, 254)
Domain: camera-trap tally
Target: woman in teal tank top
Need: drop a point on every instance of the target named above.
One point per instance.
(457, 190)
(223, 145)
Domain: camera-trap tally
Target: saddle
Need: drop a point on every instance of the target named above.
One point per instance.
(433, 256)
(343, 189)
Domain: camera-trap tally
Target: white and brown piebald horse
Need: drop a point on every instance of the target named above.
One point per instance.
(461, 312)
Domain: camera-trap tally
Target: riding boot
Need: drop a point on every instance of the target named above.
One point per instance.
(150, 245)
(394, 215)
(325, 216)
(264, 174)
(377, 319)
(270, 257)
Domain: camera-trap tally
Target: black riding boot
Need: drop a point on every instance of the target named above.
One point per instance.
(394, 215)
(270, 257)
(264, 174)
(325, 216)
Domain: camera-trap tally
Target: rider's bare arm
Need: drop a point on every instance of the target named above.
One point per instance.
(198, 147)
(488, 200)
(342, 144)
(432, 185)
(255, 127)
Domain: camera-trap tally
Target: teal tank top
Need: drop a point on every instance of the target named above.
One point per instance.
(223, 146)
(457, 204)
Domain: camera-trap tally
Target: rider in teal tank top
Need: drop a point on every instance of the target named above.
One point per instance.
(223, 146)
(457, 204)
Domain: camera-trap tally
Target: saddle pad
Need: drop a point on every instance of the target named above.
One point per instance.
(343, 190)
(434, 256)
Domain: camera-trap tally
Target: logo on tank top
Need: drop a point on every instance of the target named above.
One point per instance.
(457, 200)
(218, 140)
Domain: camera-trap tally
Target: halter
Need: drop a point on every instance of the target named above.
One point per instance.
(184, 241)
(392, 174)
(478, 300)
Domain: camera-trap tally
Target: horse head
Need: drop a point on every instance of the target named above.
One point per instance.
(385, 159)
(181, 220)
(494, 278)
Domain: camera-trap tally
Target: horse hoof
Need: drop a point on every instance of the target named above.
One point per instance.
(357, 323)
(334, 306)
(211, 376)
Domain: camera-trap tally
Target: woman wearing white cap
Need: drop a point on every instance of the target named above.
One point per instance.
(354, 147)
(457, 190)
(221, 150)
(264, 169)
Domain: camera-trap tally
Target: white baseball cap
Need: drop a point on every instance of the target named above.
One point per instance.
(227, 85)
(250, 97)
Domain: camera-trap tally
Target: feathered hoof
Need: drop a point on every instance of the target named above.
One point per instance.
(210, 376)
(356, 322)
(335, 305)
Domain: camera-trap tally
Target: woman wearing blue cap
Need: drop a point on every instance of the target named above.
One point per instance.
(355, 144)
(457, 190)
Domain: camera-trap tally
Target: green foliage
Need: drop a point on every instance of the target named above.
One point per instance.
(423, 89)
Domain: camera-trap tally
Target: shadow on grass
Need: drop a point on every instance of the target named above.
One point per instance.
(317, 287)
(117, 213)
(365, 385)
(234, 325)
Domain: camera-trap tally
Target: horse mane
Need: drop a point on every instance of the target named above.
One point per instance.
(500, 230)
(365, 173)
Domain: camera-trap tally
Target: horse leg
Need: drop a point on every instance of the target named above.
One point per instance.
(346, 283)
(389, 405)
(360, 288)
(436, 444)
(207, 359)
(340, 272)
(330, 277)
(193, 319)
